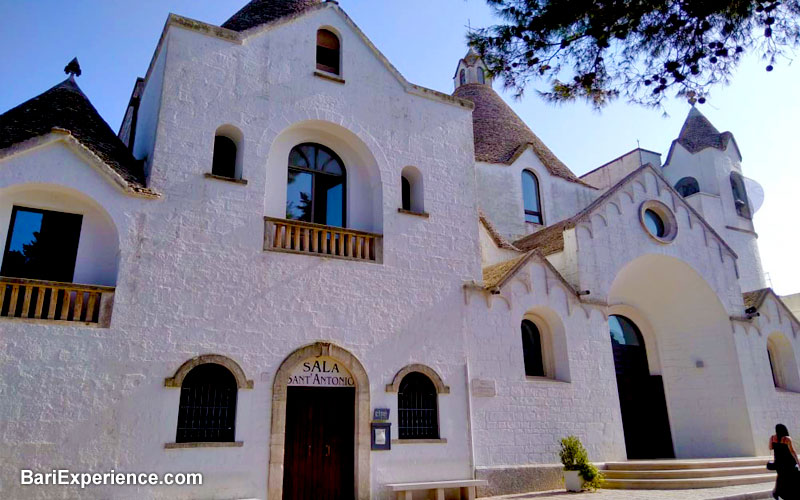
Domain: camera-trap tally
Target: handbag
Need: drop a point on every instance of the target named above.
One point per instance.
(771, 466)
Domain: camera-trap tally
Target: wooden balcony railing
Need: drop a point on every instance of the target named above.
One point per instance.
(42, 301)
(282, 235)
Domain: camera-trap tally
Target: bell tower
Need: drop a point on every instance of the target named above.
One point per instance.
(471, 69)
(705, 167)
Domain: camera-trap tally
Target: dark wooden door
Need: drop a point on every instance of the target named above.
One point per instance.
(319, 459)
(642, 404)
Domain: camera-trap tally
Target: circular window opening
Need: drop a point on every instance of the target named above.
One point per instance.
(659, 221)
(654, 224)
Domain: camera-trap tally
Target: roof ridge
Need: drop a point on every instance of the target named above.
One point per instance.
(259, 12)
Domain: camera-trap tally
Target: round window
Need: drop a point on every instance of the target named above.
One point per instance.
(654, 223)
(658, 221)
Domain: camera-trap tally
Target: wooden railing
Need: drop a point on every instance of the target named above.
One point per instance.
(282, 235)
(38, 300)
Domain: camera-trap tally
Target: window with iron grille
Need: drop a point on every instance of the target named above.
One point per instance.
(417, 408)
(207, 411)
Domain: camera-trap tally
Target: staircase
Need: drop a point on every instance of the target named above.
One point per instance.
(686, 474)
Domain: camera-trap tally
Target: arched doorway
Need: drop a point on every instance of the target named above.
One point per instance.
(641, 395)
(319, 446)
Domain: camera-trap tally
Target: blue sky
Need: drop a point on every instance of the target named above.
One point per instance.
(114, 42)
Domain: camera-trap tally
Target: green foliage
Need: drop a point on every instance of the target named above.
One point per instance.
(574, 457)
(641, 49)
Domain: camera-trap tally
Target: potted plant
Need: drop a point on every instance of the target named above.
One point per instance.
(579, 473)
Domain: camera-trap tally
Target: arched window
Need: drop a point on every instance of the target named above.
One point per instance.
(227, 161)
(530, 197)
(316, 186)
(772, 367)
(412, 192)
(417, 408)
(405, 187)
(224, 157)
(481, 76)
(207, 411)
(687, 186)
(782, 363)
(740, 195)
(462, 78)
(328, 53)
(532, 349)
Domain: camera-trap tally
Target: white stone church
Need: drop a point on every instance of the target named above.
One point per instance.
(286, 239)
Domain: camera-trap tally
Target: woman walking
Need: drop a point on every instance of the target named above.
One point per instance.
(787, 486)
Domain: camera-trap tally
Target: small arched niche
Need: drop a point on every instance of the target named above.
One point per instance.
(46, 217)
(412, 190)
(227, 158)
(783, 363)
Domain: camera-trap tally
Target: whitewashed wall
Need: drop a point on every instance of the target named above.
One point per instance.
(193, 278)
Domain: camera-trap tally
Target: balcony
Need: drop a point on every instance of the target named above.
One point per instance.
(292, 236)
(53, 302)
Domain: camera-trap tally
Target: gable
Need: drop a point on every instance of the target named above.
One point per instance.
(551, 239)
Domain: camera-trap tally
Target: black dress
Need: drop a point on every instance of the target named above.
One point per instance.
(787, 486)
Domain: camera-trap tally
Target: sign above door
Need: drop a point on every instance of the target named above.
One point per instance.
(321, 372)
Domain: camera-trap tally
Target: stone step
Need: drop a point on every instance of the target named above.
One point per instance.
(695, 463)
(684, 473)
(684, 484)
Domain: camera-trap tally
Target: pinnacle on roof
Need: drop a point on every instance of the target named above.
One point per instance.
(66, 108)
(698, 133)
(73, 68)
(259, 12)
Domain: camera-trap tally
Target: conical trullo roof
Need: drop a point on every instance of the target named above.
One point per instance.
(67, 108)
(500, 135)
(698, 133)
(259, 12)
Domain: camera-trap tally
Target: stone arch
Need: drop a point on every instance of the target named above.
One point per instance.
(687, 330)
(277, 442)
(241, 380)
(441, 388)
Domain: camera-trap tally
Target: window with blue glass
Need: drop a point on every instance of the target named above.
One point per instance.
(41, 244)
(316, 186)
(530, 198)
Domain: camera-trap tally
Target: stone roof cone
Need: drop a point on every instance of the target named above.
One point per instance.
(698, 133)
(500, 134)
(259, 12)
(66, 108)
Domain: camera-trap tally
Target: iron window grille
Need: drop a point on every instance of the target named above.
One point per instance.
(417, 408)
(207, 411)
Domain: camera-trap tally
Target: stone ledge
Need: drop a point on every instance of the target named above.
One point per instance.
(209, 175)
(229, 444)
(420, 441)
(328, 76)
(424, 215)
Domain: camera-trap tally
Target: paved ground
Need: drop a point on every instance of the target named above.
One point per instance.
(732, 492)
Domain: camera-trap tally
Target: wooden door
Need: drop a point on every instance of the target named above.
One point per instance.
(642, 404)
(319, 457)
